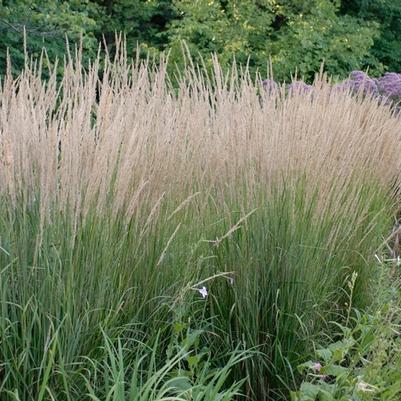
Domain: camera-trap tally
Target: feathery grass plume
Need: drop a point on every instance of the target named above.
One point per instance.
(101, 229)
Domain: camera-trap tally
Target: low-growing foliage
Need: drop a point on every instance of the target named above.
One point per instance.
(363, 363)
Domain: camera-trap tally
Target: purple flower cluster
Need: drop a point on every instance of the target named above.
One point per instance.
(359, 81)
(270, 85)
(390, 86)
(299, 87)
(386, 89)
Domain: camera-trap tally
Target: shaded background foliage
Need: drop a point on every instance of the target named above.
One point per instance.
(298, 35)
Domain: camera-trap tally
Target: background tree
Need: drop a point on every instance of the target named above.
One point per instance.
(227, 28)
(308, 33)
(298, 35)
(387, 15)
(47, 23)
(144, 22)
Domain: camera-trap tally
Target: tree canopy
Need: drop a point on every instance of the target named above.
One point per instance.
(296, 35)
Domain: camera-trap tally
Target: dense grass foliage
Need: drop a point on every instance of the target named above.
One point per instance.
(188, 243)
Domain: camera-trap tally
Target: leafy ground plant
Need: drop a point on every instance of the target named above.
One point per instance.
(363, 364)
(124, 375)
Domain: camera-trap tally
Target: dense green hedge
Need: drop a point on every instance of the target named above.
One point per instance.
(298, 34)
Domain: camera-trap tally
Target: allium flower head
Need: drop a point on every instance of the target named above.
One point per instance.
(390, 85)
(342, 86)
(299, 86)
(360, 81)
(358, 76)
(270, 86)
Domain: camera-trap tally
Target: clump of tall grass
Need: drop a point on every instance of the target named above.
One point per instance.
(131, 209)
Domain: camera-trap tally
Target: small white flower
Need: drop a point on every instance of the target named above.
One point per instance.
(316, 367)
(203, 291)
(366, 387)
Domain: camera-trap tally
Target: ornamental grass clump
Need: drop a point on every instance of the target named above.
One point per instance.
(130, 209)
